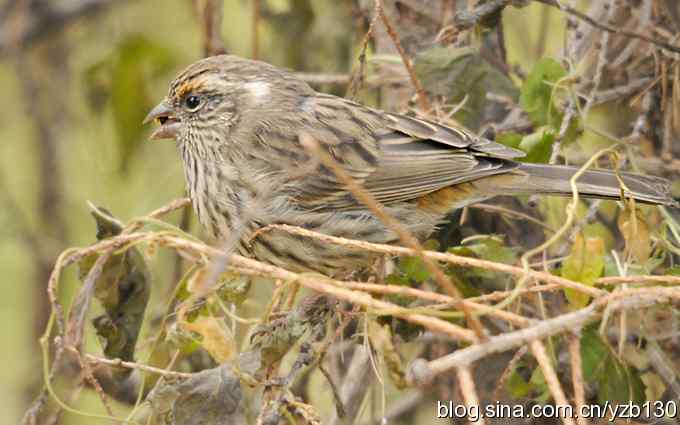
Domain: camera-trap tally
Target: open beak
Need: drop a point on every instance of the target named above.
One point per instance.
(170, 125)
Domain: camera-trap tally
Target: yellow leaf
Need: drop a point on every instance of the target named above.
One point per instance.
(654, 386)
(216, 338)
(585, 264)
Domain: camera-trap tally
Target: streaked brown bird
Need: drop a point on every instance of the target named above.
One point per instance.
(238, 125)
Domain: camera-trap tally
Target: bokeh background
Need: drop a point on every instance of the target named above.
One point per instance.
(78, 76)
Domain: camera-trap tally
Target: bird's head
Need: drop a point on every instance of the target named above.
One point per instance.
(213, 94)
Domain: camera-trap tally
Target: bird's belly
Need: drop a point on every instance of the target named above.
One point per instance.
(300, 253)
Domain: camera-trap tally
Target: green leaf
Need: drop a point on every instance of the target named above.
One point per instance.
(536, 94)
(492, 248)
(585, 264)
(620, 384)
(517, 386)
(538, 146)
(397, 279)
(511, 140)
(538, 382)
(459, 73)
(593, 353)
(414, 268)
(617, 383)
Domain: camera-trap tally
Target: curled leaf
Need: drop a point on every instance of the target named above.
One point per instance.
(636, 233)
(123, 291)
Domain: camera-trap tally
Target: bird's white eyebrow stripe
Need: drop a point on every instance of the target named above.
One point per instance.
(259, 89)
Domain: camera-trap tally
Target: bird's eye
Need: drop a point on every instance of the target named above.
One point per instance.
(192, 102)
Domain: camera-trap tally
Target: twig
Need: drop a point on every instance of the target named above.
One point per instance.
(89, 376)
(606, 27)
(422, 372)
(538, 350)
(467, 389)
(357, 76)
(601, 58)
(210, 15)
(509, 369)
(138, 366)
(441, 256)
(420, 91)
(619, 92)
(574, 342)
(355, 385)
(433, 296)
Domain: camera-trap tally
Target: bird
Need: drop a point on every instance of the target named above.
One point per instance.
(240, 127)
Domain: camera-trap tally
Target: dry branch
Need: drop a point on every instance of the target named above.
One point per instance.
(423, 372)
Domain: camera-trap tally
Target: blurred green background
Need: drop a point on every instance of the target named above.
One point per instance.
(91, 83)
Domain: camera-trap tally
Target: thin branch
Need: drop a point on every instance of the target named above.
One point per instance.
(574, 342)
(422, 372)
(467, 388)
(538, 350)
(210, 14)
(443, 256)
(606, 27)
(138, 366)
(420, 91)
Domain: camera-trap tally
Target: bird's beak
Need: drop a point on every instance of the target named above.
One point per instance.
(170, 125)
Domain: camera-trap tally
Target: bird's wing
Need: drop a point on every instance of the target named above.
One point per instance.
(395, 157)
(418, 129)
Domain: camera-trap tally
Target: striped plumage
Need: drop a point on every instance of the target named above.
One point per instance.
(238, 125)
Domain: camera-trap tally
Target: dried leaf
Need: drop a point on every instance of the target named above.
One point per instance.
(636, 233)
(212, 396)
(123, 291)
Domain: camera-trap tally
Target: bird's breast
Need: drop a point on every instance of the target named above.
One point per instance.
(212, 186)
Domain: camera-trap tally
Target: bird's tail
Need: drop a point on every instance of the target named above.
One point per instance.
(555, 180)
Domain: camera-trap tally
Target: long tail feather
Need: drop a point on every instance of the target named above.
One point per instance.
(555, 179)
